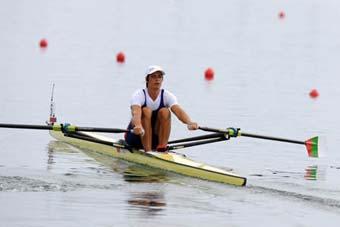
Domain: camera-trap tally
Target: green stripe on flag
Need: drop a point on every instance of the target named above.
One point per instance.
(312, 147)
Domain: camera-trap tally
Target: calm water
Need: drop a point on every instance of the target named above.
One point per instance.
(265, 68)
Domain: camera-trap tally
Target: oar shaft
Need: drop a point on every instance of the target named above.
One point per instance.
(240, 133)
(21, 126)
(185, 145)
(91, 129)
(213, 135)
(271, 138)
(65, 128)
(79, 135)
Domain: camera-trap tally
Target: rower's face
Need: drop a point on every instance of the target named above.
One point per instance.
(155, 80)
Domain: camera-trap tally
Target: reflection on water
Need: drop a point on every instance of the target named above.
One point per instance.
(60, 147)
(131, 172)
(50, 160)
(150, 203)
(311, 172)
(136, 173)
(62, 156)
(53, 147)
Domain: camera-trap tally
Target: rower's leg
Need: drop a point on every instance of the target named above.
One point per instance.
(163, 126)
(146, 122)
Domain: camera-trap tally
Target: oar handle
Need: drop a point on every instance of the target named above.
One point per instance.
(233, 132)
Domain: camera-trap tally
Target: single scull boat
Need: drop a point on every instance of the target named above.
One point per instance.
(169, 161)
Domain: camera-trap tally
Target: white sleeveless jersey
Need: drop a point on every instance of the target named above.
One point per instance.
(138, 98)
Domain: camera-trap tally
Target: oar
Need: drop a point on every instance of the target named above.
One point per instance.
(185, 145)
(63, 127)
(311, 144)
(117, 144)
(197, 138)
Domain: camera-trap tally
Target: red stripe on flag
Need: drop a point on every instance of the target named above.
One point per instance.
(312, 147)
(309, 145)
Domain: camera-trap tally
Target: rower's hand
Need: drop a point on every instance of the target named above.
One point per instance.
(138, 130)
(192, 126)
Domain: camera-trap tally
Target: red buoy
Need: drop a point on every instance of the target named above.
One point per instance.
(120, 57)
(43, 43)
(209, 74)
(314, 93)
(282, 15)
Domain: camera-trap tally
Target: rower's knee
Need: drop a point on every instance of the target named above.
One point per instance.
(164, 114)
(146, 112)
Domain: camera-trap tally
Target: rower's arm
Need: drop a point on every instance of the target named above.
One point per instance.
(136, 112)
(184, 117)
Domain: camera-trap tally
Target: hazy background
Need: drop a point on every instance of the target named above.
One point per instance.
(264, 66)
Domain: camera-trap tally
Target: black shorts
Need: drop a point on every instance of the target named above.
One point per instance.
(135, 141)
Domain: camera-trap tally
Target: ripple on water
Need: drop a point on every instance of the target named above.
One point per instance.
(25, 184)
(313, 199)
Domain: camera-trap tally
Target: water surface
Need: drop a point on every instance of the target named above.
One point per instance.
(264, 69)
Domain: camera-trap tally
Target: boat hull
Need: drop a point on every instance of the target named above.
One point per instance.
(168, 161)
